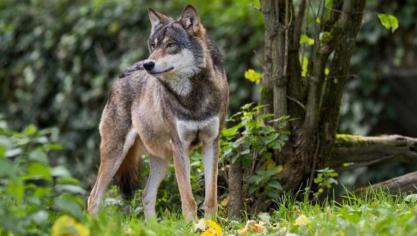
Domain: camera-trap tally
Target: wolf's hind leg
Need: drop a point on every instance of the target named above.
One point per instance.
(116, 140)
(158, 171)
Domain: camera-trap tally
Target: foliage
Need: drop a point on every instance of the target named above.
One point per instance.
(58, 59)
(325, 179)
(251, 141)
(305, 40)
(32, 191)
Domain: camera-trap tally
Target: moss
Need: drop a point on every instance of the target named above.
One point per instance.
(350, 140)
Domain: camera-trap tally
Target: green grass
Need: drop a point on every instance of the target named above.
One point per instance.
(374, 214)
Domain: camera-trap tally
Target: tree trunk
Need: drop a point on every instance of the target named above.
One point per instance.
(235, 181)
(313, 98)
(306, 99)
(274, 92)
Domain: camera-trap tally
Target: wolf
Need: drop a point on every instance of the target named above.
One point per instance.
(167, 104)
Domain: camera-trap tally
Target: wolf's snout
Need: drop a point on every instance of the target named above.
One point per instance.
(149, 65)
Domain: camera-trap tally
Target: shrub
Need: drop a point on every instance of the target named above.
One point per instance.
(32, 191)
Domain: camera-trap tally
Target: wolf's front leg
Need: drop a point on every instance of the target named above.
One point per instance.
(182, 174)
(210, 159)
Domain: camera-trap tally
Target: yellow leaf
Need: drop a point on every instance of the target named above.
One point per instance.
(208, 228)
(305, 40)
(253, 76)
(302, 220)
(67, 226)
(304, 66)
(326, 71)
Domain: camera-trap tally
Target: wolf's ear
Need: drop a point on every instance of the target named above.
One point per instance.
(190, 20)
(156, 17)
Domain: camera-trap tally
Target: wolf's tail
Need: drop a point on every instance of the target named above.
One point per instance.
(127, 177)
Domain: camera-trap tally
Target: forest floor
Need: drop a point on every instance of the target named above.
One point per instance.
(375, 214)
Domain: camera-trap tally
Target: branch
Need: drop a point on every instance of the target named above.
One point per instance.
(402, 184)
(351, 151)
(323, 49)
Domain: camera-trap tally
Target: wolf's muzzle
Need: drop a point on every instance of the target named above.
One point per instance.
(149, 65)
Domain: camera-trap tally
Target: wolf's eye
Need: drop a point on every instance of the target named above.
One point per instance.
(152, 45)
(171, 45)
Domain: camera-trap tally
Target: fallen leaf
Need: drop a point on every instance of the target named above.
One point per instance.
(302, 220)
(252, 227)
(67, 226)
(208, 228)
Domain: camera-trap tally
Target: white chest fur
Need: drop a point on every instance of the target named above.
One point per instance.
(206, 130)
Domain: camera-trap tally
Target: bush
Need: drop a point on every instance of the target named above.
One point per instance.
(33, 193)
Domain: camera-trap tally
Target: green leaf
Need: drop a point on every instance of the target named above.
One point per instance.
(6, 168)
(16, 189)
(67, 180)
(69, 188)
(30, 130)
(40, 216)
(232, 131)
(60, 171)
(53, 147)
(275, 184)
(38, 171)
(2, 151)
(389, 22)
(67, 203)
(305, 40)
(39, 156)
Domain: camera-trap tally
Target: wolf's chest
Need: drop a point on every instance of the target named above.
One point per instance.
(190, 131)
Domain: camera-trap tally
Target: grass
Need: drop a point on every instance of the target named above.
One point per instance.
(375, 214)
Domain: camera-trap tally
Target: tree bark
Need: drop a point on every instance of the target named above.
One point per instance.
(338, 77)
(274, 91)
(235, 181)
(351, 151)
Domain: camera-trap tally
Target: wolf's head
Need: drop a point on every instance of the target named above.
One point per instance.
(176, 47)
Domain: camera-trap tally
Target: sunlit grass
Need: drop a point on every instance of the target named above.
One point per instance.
(375, 213)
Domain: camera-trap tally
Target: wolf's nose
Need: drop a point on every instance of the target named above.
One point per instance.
(149, 65)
